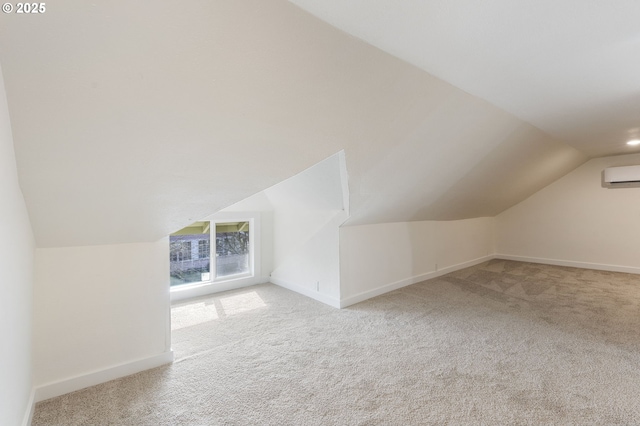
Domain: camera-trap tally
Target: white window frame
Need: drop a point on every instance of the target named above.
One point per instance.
(214, 285)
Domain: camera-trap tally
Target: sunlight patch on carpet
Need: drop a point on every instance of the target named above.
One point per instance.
(199, 312)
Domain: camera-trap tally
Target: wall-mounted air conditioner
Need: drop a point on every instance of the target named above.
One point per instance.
(621, 177)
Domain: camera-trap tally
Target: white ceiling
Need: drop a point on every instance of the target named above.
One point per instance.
(131, 122)
(570, 67)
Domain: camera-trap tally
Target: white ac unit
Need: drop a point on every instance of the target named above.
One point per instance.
(621, 177)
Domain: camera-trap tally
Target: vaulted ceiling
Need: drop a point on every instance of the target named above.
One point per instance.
(568, 67)
(132, 119)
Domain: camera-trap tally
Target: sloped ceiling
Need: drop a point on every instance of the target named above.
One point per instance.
(132, 120)
(568, 67)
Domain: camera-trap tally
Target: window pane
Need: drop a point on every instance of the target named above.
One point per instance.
(232, 248)
(203, 249)
(189, 254)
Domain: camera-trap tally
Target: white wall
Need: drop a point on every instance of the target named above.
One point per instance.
(97, 307)
(575, 220)
(309, 264)
(379, 258)
(16, 285)
(307, 212)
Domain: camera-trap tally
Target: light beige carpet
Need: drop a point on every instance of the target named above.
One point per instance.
(501, 343)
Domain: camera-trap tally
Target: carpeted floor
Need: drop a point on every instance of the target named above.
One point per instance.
(501, 343)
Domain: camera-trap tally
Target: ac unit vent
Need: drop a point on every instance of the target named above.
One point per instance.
(621, 177)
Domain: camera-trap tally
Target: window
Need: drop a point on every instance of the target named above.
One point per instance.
(192, 252)
(187, 262)
(232, 248)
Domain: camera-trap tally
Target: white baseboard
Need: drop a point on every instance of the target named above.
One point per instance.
(28, 415)
(360, 297)
(197, 290)
(327, 300)
(571, 263)
(51, 390)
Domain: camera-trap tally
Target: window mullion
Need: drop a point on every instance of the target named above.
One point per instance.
(212, 251)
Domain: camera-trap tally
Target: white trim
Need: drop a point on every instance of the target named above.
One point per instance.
(360, 297)
(344, 181)
(571, 263)
(53, 389)
(187, 291)
(28, 415)
(327, 300)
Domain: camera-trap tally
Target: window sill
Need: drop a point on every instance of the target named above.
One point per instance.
(188, 291)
